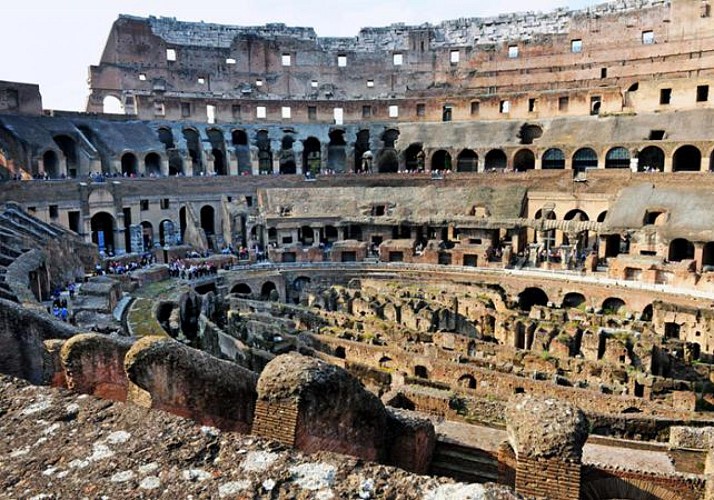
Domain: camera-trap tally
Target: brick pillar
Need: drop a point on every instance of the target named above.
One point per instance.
(276, 420)
(552, 478)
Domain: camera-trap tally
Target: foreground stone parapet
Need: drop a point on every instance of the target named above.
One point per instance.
(547, 437)
(191, 383)
(311, 405)
(94, 364)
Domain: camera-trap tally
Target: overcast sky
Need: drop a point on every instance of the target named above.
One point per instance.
(53, 42)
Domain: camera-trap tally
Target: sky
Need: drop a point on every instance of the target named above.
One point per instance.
(53, 43)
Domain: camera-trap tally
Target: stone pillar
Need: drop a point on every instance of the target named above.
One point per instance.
(547, 437)
(165, 166)
(668, 163)
(232, 160)
(704, 163)
(699, 255)
(481, 166)
(634, 163)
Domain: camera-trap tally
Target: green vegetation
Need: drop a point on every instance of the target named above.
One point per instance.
(142, 320)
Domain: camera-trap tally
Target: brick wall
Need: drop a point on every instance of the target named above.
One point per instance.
(276, 420)
(552, 479)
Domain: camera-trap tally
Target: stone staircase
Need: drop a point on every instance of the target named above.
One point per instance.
(464, 463)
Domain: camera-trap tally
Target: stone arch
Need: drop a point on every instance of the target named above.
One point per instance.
(680, 249)
(147, 234)
(337, 151)
(441, 160)
(166, 137)
(574, 300)
(626, 489)
(550, 214)
(193, 145)
(312, 156)
(129, 164)
(530, 132)
(265, 152)
(687, 158)
(361, 147)
(208, 220)
(584, 158)
(414, 157)
(524, 160)
(152, 164)
(50, 164)
(617, 157)
(576, 214)
(242, 289)
(602, 216)
(112, 105)
(68, 146)
(467, 161)
(218, 150)
(553, 158)
(496, 160)
(102, 226)
(287, 155)
(647, 313)
(239, 141)
(385, 362)
(267, 289)
(467, 381)
(421, 371)
(167, 234)
(650, 158)
(613, 305)
(532, 296)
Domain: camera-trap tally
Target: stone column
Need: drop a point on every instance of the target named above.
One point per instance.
(547, 437)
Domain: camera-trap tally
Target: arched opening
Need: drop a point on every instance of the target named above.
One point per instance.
(573, 300)
(287, 156)
(650, 159)
(336, 151)
(102, 227)
(421, 372)
(553, 159)
(496, 160)
(152, 164)
(602, 216)
(524, 160)
(193, 144)
(218, 151)
(414, 157)
(613, 305)
(618, 157)
(387, 159)
(584, 158)
(147, 235)
(241, 289)
(708, 257)
(166, 136)
(467, 381)
(167, 233)
(687, 159)
(239, 139)
(467, 161)
(530, 133)
(680, 249)
(361, 147)
(331, 235)
(306, 235)
(265, 153)
(112, 105)
(68, 146)
(577, 215)
(388, 162)
(269, 291)
(530, 297)
(182, 222)
(312, 156)
(129, 165)
(441, 160)
(385, 362)
(50, 164)
(647, 313)
(340, 352)
(301, 282)
(208, 223)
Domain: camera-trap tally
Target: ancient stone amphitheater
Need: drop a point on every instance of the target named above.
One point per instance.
(465, 260)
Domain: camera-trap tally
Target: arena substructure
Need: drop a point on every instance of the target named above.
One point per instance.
(481, 251)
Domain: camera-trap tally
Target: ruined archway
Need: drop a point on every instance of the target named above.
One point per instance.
(269, 291)
(414, 157)
(129, 165)
(680, 249)
(193, 145)
(208, 220)
(102, 226)
(618, 157)
(239, 140)
(583, 159)
(312, 156)
(218, 151)
(152, 164)
(687, 159)
(650, 158)
(613, 305)
(50, 164)
(112, 105)
(287, 156)
(167, 232)
(467, 381)
(553, 158)
(68, 146)
(496, 160)
(532, 296)
(241, 289)
(337, 151)
(524, 160)
(573, 300)
(467, 161)
(147, 234)
(361, 147)
(441, 160)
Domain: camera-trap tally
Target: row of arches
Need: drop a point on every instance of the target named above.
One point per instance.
(534, 296)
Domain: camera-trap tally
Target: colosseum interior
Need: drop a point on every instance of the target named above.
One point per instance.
(475, 257)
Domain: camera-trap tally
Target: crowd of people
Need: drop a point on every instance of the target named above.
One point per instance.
(118, 267)
(184, 270)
